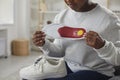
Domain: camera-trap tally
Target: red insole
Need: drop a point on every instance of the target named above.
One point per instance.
(70, 32)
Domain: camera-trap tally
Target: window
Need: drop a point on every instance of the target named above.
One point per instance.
(6, 11)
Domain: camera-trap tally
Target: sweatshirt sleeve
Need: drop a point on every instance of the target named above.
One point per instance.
(110, 52)
(54, 49)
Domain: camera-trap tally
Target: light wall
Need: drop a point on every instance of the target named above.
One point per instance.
(6, 11)
(102, 2)
(20, 28)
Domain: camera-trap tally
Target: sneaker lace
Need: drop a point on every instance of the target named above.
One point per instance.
(39, 64)
(41, 61)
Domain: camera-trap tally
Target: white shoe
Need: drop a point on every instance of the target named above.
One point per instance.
(45, 67)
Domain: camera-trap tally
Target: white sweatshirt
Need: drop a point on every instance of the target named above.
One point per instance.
(80, 56)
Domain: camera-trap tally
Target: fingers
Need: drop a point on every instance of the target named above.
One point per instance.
(39, 42)
(39, 34)
(39, 38)
(94, 40)
(91, 38)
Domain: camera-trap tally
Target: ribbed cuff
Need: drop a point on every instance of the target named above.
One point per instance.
(46, 45)
(104, 48)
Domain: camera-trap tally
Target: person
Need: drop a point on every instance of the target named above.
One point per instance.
(91, 58)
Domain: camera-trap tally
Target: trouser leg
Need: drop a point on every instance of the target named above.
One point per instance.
(82, 75)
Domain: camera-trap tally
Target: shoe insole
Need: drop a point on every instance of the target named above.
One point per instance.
(69, 32)
(51, 30)
(60, 31)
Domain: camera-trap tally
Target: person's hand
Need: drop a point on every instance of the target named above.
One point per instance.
(39, 38)
(94, 40)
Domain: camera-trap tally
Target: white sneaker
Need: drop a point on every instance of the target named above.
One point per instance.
(45, 67)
